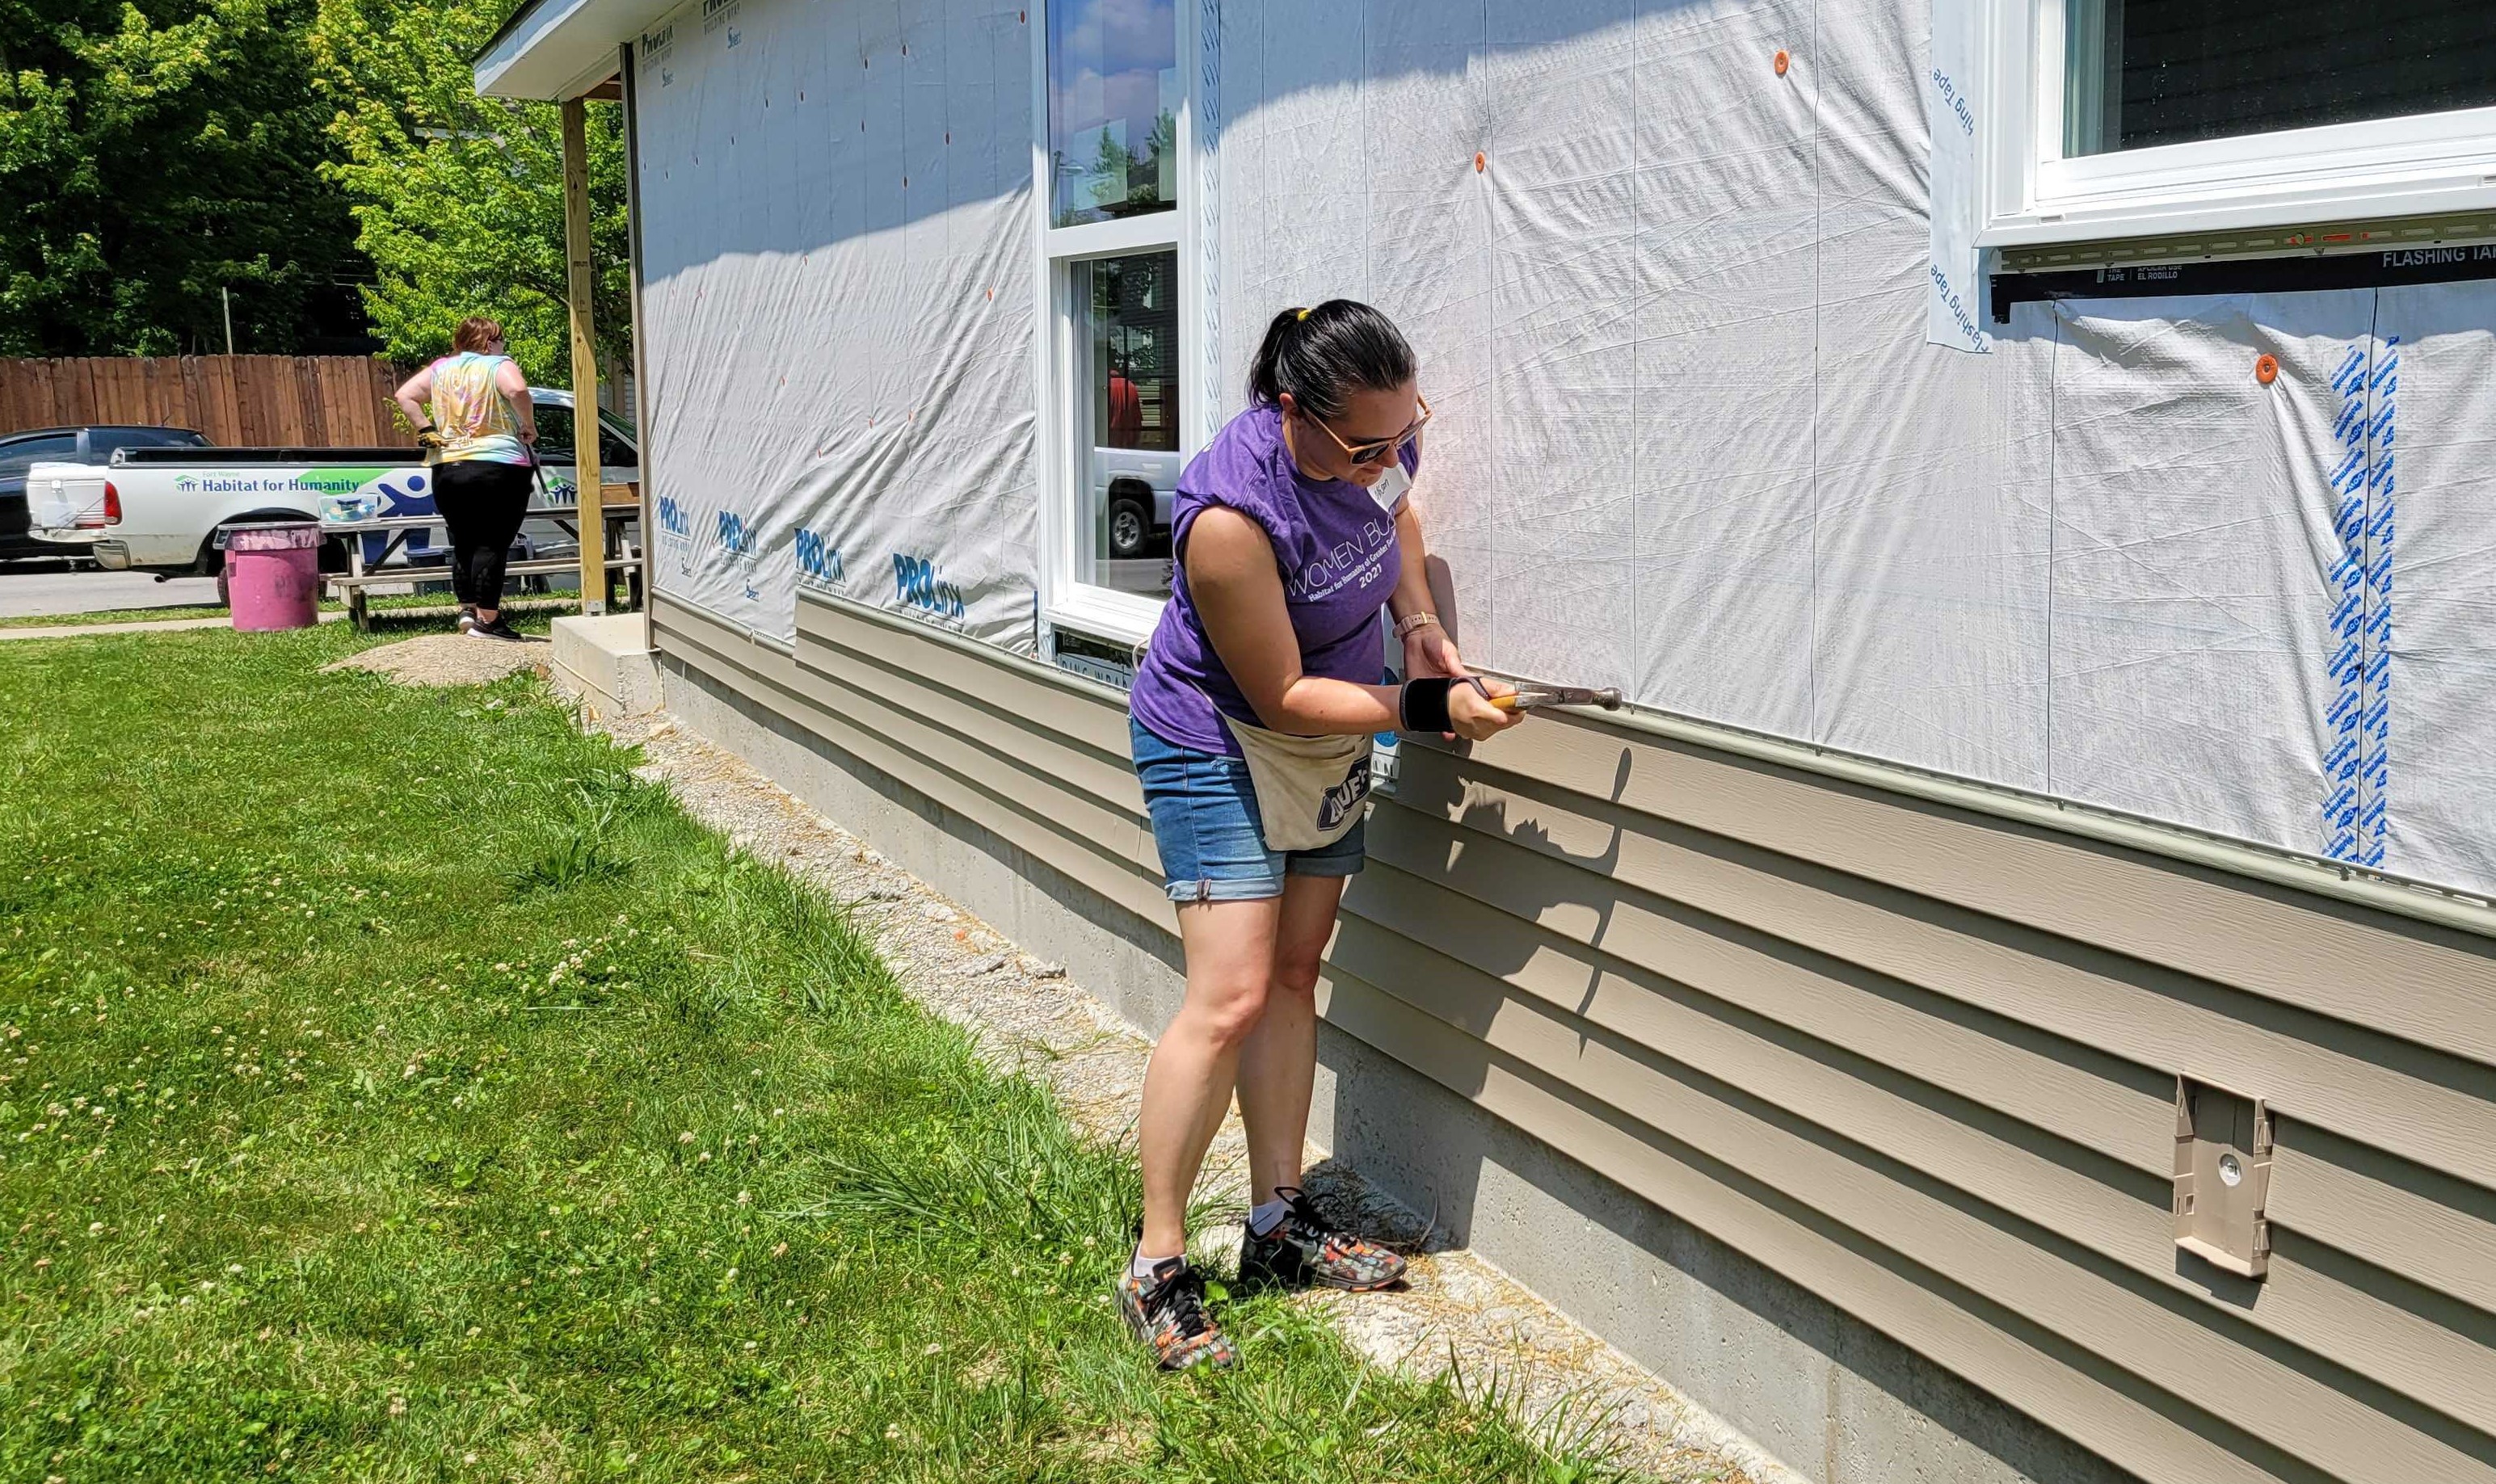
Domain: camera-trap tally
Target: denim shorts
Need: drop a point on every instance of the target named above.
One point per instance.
(1205, 827)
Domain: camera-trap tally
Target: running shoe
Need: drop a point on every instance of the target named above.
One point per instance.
(497, 630)
(467, 617)
(1167, 1312)
(1304, 1251)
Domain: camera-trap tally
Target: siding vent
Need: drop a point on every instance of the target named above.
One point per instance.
(2223, 1143)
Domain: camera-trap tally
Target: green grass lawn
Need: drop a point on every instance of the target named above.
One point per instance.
(393, 1088)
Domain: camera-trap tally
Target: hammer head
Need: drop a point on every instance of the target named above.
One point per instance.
(1532, 697)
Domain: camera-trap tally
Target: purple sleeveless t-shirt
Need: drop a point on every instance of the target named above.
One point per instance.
(1336, 546)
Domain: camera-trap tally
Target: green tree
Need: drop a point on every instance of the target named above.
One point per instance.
(458, 200)
(153, 153)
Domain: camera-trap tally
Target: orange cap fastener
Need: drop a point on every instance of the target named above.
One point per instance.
(2267, 369)
(1478, 162)
(1783, 61)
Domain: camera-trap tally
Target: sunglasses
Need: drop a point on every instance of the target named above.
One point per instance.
(1379, 450)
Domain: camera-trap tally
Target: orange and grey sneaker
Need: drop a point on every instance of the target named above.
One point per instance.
(1167, 1312)
(1302, 1250)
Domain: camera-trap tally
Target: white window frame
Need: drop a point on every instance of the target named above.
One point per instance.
(1066, 600)
(2378, 170)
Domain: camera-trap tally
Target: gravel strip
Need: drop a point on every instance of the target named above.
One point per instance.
(1028, 1017)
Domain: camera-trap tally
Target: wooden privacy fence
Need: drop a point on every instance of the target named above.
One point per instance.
(333, 401)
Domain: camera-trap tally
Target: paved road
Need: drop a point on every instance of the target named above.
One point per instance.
(31, 588)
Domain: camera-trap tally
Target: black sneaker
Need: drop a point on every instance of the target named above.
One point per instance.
(1304, 1251)
(497, 630)
(467, 617)
(1167, 1312)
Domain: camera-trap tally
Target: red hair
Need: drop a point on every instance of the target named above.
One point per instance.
(475, 333)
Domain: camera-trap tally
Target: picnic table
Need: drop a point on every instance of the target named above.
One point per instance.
(368, 560)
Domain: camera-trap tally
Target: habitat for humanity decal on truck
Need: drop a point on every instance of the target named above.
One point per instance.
(334, 483)
(166, 515)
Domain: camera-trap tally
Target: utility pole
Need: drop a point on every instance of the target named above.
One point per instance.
(227, 296)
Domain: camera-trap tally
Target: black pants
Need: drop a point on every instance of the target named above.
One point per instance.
(483, 502)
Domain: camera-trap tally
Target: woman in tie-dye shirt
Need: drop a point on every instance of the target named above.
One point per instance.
(484, 432)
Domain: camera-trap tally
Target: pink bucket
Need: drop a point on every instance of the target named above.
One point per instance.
(273, 574)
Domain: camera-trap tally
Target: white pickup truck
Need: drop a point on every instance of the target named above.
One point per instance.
(167, 509)
(1133, 489)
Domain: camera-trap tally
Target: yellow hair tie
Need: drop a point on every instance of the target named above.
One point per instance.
(1303, 313)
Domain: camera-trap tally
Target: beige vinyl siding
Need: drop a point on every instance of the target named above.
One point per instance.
(1919, 1059)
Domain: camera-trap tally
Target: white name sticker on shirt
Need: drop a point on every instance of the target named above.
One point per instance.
(1391, 488)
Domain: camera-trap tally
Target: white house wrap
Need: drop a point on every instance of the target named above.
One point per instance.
(1696, 436)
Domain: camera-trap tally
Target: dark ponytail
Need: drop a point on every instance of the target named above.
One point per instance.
(1323, 354)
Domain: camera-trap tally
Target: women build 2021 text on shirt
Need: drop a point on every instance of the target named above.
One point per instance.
(1340, 558)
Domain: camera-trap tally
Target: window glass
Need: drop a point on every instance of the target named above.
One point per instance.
(1113, 90)
(2145, 73)
(19, 454)
(1126, 415)
(106, 441)
(554, 433)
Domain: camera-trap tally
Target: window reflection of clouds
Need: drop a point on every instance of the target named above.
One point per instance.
(1125, 35)
(1112, 68)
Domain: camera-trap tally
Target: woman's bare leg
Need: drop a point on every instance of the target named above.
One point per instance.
(1278, 1062)
(1188, 1083)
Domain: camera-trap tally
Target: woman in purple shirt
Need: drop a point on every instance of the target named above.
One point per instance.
(1252, 712)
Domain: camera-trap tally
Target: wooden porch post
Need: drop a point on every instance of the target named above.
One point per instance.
(587, 478)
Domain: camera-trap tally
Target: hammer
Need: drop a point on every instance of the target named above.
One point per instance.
(1532, 696)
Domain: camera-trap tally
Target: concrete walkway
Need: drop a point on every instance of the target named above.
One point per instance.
(519, 606)
(143, 626)
(38, 589)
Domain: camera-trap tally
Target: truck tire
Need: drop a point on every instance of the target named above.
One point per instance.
(1131, 528)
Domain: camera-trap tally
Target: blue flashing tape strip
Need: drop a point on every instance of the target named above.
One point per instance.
(2343, 800)
(2375, 735)
(2357, 764)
